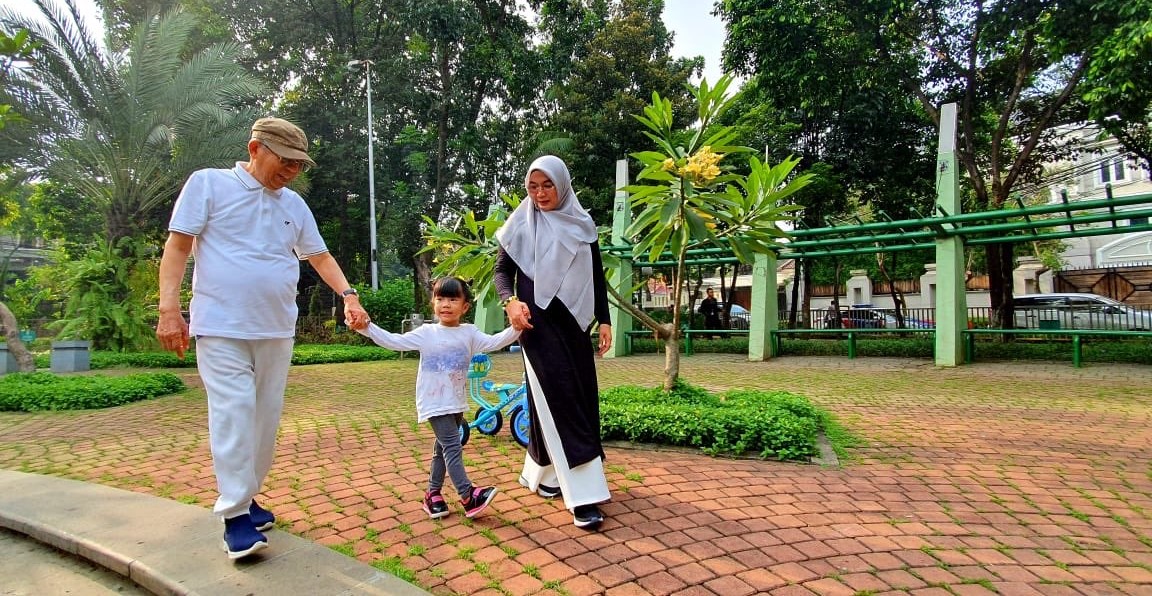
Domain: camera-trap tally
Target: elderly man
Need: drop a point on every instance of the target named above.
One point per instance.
(248, 233)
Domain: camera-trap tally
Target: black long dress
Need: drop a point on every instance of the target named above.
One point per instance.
(563, 356)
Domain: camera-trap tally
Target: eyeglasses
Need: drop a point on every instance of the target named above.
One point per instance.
(300, 164)
(534, 188)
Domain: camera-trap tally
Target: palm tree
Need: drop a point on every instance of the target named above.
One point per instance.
(124, 127)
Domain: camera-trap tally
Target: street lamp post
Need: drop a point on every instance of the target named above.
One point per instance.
(367, 64)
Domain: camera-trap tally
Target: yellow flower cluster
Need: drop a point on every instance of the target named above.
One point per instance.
(701, 167)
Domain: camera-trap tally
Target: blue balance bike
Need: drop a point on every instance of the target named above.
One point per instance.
(489, 415)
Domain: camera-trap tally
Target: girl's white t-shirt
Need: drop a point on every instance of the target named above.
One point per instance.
(445, 356)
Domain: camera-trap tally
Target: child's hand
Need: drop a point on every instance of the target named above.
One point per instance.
(354, 314)
(519, 315)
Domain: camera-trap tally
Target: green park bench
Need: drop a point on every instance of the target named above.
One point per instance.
(775, 335)
(1076, 335)
(686, 333)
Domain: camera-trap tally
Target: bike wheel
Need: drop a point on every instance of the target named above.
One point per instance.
(465, 432)
(520, 420)
(488, 421)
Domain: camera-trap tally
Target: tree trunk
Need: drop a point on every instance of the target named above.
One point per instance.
(793, 310)
(672, 343)
(806, 308)
(834, 321)
(24, 360)
(897, 296)
(671, 360)
(999, 260)
(422, 269)
(730, 296)
(1007, 268)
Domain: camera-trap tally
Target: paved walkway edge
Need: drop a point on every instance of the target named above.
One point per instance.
(170, 548)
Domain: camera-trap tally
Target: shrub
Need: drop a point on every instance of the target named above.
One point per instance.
(1104, 349)
(105, 292)
(325, 330)
(772, 424)
(922, 346)
(737, 344)
(101, 359)
(301, 354)
(35, 391)
(391, 304)
(329, 354)
(1096, 349)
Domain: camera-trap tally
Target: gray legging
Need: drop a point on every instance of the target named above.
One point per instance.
(447, 454)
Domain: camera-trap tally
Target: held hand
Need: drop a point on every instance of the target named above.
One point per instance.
(172, 331)
(605, 339)
(519, 316)
(355, 315)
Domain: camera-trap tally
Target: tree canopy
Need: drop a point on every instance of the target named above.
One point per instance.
(124, 128)
(1015, 68)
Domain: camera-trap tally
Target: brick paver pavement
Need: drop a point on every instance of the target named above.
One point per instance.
(1014, 478)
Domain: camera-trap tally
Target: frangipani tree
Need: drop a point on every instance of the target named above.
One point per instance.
(688, 196)
(692, 193)
(467, 247)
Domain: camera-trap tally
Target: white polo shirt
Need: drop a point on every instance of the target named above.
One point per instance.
(249, 241)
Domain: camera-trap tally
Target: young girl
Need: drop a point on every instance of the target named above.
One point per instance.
(446, 350)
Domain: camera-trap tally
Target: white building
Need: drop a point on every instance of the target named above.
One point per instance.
(1102, 164)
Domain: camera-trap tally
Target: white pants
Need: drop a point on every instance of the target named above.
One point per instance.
(245, 381)
(584, 484)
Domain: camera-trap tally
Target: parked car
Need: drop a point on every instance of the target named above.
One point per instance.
(738, 317)
(855, 318)
(1077, 311)
(891, 322)
(866, 316)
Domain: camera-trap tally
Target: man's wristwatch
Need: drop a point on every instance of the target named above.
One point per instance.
(349, 292)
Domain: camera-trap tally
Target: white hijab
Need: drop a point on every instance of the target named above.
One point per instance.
(553, 247)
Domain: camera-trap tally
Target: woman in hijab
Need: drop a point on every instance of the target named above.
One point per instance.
(551, 283)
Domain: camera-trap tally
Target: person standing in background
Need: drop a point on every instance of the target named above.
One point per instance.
(710, 308)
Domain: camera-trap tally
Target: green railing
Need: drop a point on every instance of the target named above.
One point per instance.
(1076, 335)
(775, 335)
(686, 333)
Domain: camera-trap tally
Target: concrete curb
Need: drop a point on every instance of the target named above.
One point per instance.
(170, 548)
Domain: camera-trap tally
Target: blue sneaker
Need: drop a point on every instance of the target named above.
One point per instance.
(241, 538)
(261, 517)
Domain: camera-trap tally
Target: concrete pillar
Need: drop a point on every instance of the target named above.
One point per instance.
(859, 287)
(927, 287)
(620, 276)
(8, 362)
(765, 309)
(1047, 282)
(951, 304)
(70, 356)
(1026, 276)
